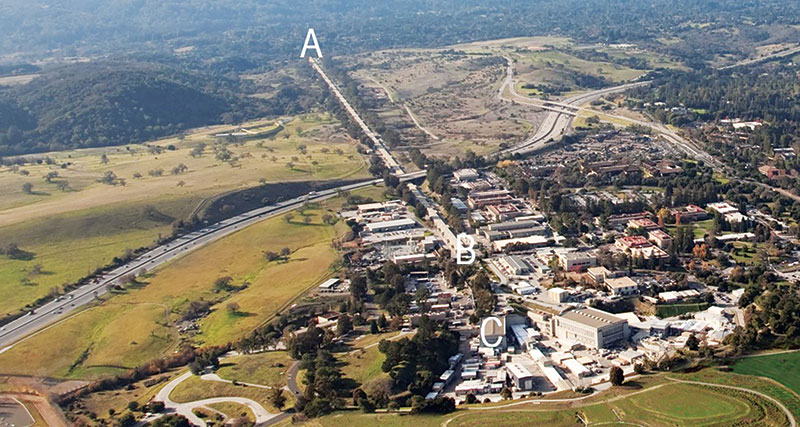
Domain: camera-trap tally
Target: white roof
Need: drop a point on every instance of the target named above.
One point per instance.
(330, 283)
(518, 370)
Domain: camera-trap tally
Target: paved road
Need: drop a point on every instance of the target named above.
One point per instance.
(54, 311)
(560, 113)
(263, 416)
(291, 379)
(780, 54)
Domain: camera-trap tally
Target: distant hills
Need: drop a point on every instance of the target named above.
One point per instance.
(91, 105)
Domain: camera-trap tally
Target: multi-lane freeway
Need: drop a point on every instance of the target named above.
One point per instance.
(560, 113)
(54, 311)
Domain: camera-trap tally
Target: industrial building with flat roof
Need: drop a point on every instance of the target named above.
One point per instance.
(393, 225)
(577, 261)
(622, 286)
(520, 376)
(591, 327)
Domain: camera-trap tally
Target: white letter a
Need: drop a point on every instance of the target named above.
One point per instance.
(311, 36)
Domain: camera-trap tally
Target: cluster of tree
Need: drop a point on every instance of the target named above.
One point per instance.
(103, 104)
(415, 364)
(207, 27)
(389, 288)
(324, 384)
(268, 335)
(485, 299)
(182, 357)
(772, 313)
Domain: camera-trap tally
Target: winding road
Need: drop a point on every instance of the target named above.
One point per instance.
(186, 409)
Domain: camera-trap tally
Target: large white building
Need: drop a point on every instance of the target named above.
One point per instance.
(577, 261)
(520, 376)
(591, 327)
(393, 225)
(622, 286)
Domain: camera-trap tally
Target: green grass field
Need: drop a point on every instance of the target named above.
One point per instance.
(671, 310)
(73, 232)
(133, 327)
(783, 368)
(665, 404)
(195, 388)
(764, 385)
(267, 368)
(233, 410)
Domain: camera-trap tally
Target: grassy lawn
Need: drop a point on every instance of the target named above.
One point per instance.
(267, 368)
(744, 252)
(70, 245)
(131, 328)
(362, 360)
(362, 365)
(195, 388)
(775, 366)
(684, 405)
(73, 232)
(233, 410)
(612, 72)
(663, 310)
(105, 339)
(667, 405)
(769, 387)
(99, 403)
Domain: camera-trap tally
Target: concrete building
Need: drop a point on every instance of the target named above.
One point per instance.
(660, 238)
(520, 376)
(557, 295)
(330, 285)
(591, 327)
(577, 261)
(484, 198)
(599, 275)
(393, 225)
(514, 265)
(622, 286)
(466, 175)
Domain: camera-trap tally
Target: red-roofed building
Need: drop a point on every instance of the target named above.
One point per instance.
(629, 242)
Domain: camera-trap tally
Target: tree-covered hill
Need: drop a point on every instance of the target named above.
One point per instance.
(98, 105)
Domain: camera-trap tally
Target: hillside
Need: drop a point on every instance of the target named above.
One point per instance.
(99, 105)
(275, 29)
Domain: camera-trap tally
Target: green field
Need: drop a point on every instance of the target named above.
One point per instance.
(671, 310)
(783, 368)
(665, 404)
(233, 410)
(764, 385)
(133, 327)
(268, 368)
(195, 388)
(71, 233)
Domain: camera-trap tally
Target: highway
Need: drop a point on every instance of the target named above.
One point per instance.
(769, 57)
(560, 113)
(61, 308)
